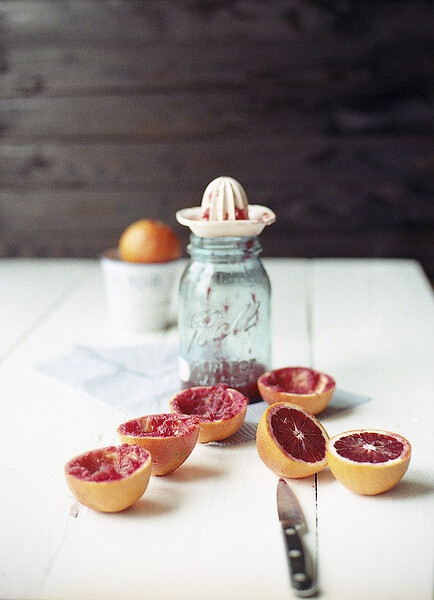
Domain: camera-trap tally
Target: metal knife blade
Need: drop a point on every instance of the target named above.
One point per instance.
(292, 521)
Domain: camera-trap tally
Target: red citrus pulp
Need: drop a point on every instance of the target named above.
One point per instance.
(290, 441)
(221, 410)
(368, 461)
(306, 387)
(169, 438)
(109, 479)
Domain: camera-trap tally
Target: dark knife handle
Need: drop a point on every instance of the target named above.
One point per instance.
(301, 581)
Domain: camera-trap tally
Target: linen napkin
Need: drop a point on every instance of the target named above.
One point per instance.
(139, 380)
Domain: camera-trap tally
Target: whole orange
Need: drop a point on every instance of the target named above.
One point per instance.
(149, 241)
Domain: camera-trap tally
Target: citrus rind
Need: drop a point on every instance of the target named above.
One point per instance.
(149, 241)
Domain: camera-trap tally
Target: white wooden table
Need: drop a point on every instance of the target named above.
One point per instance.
(210, 529)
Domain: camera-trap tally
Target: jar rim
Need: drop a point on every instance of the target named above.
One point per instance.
(224, 248)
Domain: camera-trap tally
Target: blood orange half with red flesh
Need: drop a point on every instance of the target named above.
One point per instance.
(368, 461)
(221, 410)
(290, 441)
(169, 438)
(306, 387)
(109, 479)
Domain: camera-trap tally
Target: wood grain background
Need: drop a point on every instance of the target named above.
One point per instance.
(114, 110)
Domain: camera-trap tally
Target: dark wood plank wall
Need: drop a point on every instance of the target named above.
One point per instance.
(114, 110)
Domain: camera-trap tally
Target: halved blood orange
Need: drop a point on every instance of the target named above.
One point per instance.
(291, 441)
(310, 389)
(169, 438)
(109, 479)
(368, 461)
(221, 410)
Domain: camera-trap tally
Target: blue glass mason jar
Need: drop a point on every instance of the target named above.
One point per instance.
(224, 314)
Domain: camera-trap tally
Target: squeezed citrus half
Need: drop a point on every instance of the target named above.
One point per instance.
(109, 479)
(169, 438)
(221, 410)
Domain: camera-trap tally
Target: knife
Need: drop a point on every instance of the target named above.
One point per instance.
(292, 520)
